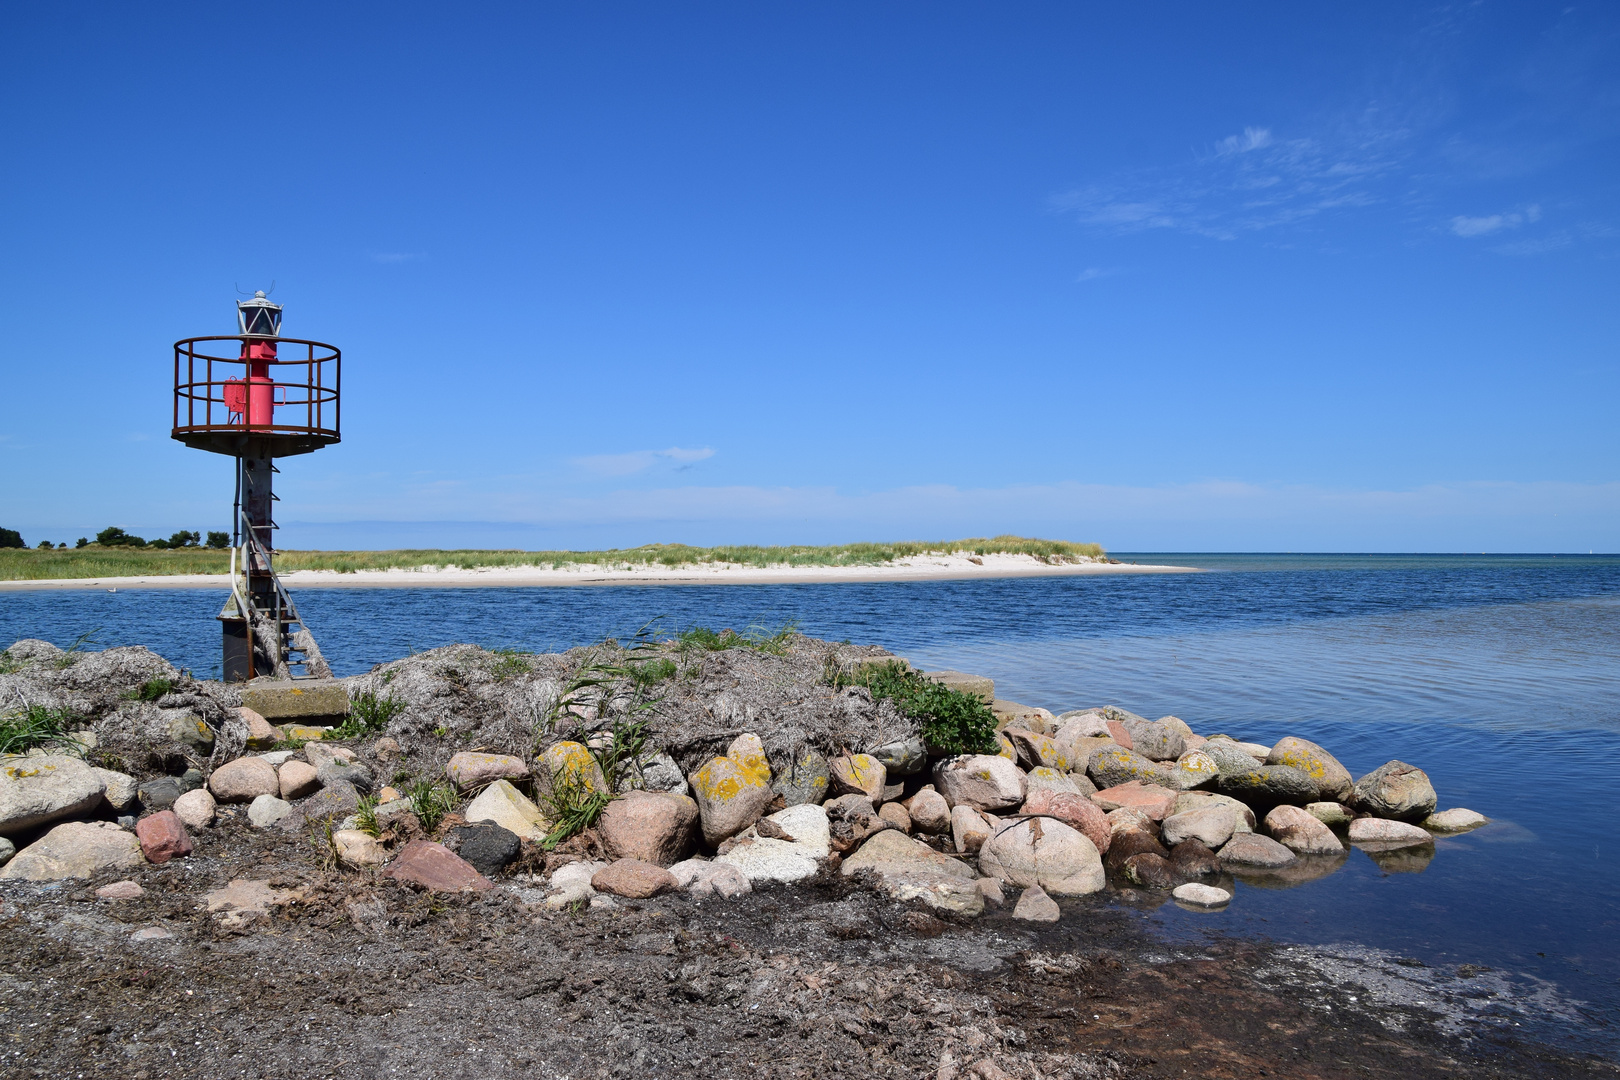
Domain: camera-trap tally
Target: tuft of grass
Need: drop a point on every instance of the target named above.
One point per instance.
(760, 638)
(574, 806)
(951, 721)
(511, 663)
(369, 714)
(365, 816)
(96, 560)
(431, 802)
(150, 690)
(36, 726)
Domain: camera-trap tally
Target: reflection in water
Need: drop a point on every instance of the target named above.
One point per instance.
(1411, 859)
(1307, 869)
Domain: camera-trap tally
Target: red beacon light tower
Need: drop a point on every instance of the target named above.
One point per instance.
(275, 397)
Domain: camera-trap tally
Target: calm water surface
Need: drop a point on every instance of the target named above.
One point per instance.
(1499, 675)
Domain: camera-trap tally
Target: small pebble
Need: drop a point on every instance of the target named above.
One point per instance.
(120, 890)
(151, 933)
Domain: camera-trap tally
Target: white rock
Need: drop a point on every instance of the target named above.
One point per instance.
(1368, 830)
(1457, 820)
(1202, 896)
(195, 808)
(278, 758)
(119, 789)
(509, 808)
(38, 790)
(75, 849)
(266, 810)
(764, 858)
(357, 850)
(1035, 906)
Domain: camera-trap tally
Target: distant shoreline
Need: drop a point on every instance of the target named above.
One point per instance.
(940, 567)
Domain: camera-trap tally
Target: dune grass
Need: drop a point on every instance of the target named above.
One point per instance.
(96, 561)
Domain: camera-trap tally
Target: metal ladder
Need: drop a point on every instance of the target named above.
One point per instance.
(291, 648)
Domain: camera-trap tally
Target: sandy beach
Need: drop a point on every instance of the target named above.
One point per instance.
(912, 568)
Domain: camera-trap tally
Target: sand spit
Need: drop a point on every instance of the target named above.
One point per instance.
(911, 568)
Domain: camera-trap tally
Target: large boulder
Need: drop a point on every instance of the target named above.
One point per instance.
(1268, 785)
(1153, 740)
(512, 810)
(785, 846)
(1035, 749)
(749, 753)
(468, 769)
(982, 781)
(1193, 769)
(801, 778)
(909, 869)
(36, 791)
(1150, 799)
(1333, 781)
(1044, 852)
(570, 764)
(1251, 851)
(75, 849)
(1387, 831)
(969, 829)
(902, 757)
(1111, 766)
(298, 780)
(243, 780)
(650, 826)
(858, 774)
(1046, 778)
(730, 797)
(1073, 810)
(1228, 756)
(1395, 790)
(1300, 832)
(1245, 821)
(1211, 825)
(1454, 820)
(929, 811)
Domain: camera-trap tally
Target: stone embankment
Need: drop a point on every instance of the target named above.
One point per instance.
(733, 768)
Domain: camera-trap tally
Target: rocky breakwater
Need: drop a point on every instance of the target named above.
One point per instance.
(710, 764)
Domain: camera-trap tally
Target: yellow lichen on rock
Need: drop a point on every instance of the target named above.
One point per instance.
(749, 755)
(570, 764)
(730, 797)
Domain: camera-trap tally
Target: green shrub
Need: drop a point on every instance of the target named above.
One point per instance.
(150, 690)
(574, 806)
(952, 722)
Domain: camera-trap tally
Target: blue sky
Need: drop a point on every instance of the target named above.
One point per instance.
(1167, 277)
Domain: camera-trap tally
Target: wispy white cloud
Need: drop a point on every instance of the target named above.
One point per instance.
(635, 461)
(1469, 227)
(1248, 182)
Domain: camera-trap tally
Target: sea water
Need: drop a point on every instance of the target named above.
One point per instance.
(1498, 675)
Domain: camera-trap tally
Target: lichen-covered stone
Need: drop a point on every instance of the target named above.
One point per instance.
(570, 764)
(75, 849)
(1332, 779)
(730, 797)
(35, 791)
(982, 781)
(801, 778)
(859, 774)
(468, 769)
(1396, 790)
(1269, 784)
(1114, 765)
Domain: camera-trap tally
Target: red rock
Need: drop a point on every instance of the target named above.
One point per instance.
(635, 879)
(163, 837)
(435, 867)
(120, 890)
(1075, 810)
(1121, 736)
(1151, 799)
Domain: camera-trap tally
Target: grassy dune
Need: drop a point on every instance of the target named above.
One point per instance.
(95, 561)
